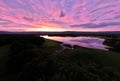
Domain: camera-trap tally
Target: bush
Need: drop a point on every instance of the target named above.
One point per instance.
(114, 43)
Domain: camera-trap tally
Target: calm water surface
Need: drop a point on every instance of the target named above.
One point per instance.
(89, 42)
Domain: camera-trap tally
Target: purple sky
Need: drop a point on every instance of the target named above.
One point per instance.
(59, 15)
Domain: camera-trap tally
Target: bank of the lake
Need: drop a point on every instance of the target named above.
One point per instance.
(114, 42)
(79, 64)
(82, 41)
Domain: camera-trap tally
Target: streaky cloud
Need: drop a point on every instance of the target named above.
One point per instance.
(62, 14)
(100, 25)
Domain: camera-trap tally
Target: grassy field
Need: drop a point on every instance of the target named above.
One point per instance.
(105, 58)
(79, 55)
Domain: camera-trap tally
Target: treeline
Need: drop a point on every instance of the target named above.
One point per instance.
(8, 39)
(114, 43)
(21, 50)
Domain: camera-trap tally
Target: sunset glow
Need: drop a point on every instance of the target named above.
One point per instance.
(59, 15)
(44, 28)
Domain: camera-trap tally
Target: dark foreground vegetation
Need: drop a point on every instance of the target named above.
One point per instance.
(114, 42)
(30, 58)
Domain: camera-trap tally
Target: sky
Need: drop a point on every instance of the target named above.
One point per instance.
(59, 15)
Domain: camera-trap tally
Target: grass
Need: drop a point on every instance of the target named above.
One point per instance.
(78, 54)
(50, 46)
(105, 58)
(49, 43)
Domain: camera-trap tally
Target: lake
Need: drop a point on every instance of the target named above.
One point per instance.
(88, 42)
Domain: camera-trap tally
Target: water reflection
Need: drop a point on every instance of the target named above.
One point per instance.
(89, 42)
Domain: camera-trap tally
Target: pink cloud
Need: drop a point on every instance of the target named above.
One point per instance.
(46, 13)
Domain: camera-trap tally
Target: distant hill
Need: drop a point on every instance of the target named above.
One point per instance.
(64, 33)
(4, 32)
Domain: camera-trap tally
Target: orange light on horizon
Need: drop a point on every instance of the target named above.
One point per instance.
(45, 28)
(59, 29)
